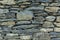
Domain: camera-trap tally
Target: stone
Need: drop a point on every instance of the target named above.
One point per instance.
(41, 36)
(57, 24)
(48, 24)
(56, 29)
(25, 15)
(55, 4)
(35, 8)
(23, 22)
(57, 1)
(58, 19)
(26, 37)
(4, 10)
(8, 23)
(7, 2)
(52, 9)
(55, 39)
(45, 4)
(46, 29)
(39, 19)
(50, 18)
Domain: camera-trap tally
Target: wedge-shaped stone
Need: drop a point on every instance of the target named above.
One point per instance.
(25, 15)
(7, 2)
(52, 9)
(57, 29)
(48, 24)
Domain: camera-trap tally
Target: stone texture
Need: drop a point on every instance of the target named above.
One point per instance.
(52, 9)
(26, 15)
(58, 19)
(50, 18)
(48, 24)
(57, 29)
(57, 24)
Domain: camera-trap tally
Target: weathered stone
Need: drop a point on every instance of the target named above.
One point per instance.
(23, 22)
(55, 4)
(57, 29)
(58, 19)
(8, 23)
(57, 1)
(45, 4)
(4, 10)
(57, 24)
(46, 29)
(48, 24)
(7, 2)
(26, 37)
(50, 18)
(25, 15)
(52, 9)
(55, 39)
(40, 18)
(35, 8)
(41, 36)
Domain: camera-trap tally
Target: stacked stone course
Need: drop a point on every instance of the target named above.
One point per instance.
(29, 19)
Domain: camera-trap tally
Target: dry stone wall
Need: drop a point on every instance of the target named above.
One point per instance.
(29, 19)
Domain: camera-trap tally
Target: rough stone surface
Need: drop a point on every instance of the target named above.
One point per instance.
(50, 18)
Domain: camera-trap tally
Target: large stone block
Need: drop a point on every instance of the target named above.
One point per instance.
(48, 24)
(52, 9)
(58, 19)
(41, 36)
(25, 15)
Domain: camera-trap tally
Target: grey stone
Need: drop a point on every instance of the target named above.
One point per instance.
(55, 4)
(40, 18)
(25, 15)
(55, 39)
(50, 18)
(48, 24)
(41, 36)
(4, 10)
(23, 22)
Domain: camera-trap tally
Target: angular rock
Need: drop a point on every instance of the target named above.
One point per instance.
(25, 15)
(58, 19)
(45, 4)
(48, 24)
(50, 18)
(52, 9)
